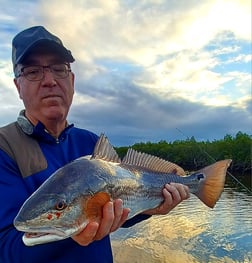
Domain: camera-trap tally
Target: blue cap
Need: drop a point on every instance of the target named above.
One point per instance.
(27, 40)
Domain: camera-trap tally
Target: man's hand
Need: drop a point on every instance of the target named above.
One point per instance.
(174, 194)
(114, 215)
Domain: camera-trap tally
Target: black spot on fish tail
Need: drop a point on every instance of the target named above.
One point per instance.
(200, 176)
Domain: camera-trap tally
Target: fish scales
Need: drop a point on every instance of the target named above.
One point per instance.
(75, 194)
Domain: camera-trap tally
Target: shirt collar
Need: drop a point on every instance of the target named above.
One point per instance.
(39, 131)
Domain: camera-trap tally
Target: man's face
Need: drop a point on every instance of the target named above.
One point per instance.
(47, 99)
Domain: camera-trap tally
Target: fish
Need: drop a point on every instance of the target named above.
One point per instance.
(75, 194)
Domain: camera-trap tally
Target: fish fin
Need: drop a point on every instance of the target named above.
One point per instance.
(151, 163)
(211, 187)
(105, 151)
(94, 206)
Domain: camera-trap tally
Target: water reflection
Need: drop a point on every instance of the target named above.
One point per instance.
(191, 233)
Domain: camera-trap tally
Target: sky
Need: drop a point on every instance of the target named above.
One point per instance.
(146, 70)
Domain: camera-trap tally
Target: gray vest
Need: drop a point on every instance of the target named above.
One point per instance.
(22, 148)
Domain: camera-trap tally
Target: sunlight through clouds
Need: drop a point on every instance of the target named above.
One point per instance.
(148, 34)
(145, 56)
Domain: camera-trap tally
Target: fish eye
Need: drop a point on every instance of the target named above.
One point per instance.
(60, 205)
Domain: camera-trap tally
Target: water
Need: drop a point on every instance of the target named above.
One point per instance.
(193, 232)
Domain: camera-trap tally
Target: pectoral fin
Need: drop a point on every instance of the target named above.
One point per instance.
(95, 205)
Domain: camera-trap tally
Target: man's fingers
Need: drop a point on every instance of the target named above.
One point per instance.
(107, 221)
(118, 211)
(182, 191)
(121, 215)
(87, 235)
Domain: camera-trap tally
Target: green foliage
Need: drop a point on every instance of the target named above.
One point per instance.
(192, 155)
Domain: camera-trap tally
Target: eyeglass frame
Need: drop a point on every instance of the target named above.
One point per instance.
(21, 71)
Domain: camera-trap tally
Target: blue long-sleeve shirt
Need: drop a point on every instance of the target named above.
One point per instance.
(15, 189)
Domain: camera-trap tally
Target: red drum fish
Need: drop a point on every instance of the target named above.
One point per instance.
(74, 195)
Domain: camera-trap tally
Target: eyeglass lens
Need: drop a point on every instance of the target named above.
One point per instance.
(34, 73)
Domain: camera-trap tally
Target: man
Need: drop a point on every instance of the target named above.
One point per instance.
(40, 142)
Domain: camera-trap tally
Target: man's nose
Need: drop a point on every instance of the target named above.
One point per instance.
(48, 75)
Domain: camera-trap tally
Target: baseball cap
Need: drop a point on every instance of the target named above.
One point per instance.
(27, 40)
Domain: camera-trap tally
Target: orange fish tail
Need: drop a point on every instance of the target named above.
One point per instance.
(211, 187)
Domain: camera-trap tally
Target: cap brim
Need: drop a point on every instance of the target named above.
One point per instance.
(49, 46)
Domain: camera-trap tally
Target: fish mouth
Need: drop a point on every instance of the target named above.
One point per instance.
(40, 235)
(35, 238)
(34, 235)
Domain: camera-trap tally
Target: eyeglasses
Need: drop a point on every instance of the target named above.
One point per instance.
(36, 73)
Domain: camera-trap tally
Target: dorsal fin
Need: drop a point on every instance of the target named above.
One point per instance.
(105, 151)
(151, 163)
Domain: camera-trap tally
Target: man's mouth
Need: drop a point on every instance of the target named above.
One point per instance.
(51, 96)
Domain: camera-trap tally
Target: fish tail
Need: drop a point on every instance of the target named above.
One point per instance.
(211, 187)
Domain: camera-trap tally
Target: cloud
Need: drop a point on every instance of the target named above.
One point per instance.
(140, 31)
(128, 113)
(145, 68)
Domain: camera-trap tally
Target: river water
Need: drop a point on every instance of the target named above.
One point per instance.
(193, 232)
